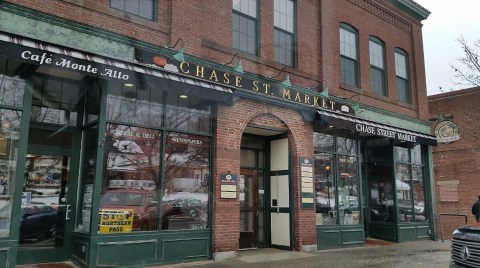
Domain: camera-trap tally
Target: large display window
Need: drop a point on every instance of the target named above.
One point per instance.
(410, 184)
(336, 177)
(12, 89)
(156, 161)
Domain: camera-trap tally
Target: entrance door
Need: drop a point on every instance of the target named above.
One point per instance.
(45, 225)
(280, 194)
(251, 209)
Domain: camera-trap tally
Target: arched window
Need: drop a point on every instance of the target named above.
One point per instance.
(377, 66)
(401, 72)
(349, 55)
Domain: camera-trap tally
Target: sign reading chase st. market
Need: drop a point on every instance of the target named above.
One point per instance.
(275, 90)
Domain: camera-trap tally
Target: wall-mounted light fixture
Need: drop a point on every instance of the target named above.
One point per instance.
(179, 55)
(238, 68)
(324, 92)
(356, 106)
(286, 81)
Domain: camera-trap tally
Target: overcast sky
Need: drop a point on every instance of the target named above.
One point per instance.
(448, 21)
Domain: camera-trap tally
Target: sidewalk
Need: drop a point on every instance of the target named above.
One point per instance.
(418, 254)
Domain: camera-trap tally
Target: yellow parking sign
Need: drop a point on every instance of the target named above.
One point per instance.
(115, 220)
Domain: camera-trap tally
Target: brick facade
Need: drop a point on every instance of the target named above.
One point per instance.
(457, 164)
(205, 27)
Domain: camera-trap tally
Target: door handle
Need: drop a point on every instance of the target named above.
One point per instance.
(67, 212)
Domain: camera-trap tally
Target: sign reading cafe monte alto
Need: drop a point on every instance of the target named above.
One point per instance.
(236, 80)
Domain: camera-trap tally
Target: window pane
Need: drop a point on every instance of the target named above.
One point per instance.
(417, 154)
(324, 190)
(284, 46)
(401, 154)
(190, 113)
(247, 158)
(284, 15)
(186, 183)
(348, 205)
(419, 207)
(346, 146)
(400, 65)
(244, 26)
(132, 104)
(323, 142)
(404, 198)
(349, 71)
(378, 81)
(248, 7)
(376, 54)
(403, 90)
(348, 43)
(9, 143)
(130, 183)
(119, 4)
(141, 8)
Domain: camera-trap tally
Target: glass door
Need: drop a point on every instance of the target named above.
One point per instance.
(46, 209)
(251, 209)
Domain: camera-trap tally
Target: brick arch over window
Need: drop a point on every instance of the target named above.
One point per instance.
(231, 123)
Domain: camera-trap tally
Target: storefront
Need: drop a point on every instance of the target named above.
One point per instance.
(157, 160)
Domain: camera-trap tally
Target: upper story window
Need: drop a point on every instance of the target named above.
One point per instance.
(377, 66)
(348, 55)
(141, 8)
(245, 26)
(284, 37)
(401, 72)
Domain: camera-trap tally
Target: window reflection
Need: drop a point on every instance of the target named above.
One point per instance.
(188, 113)
(409, 180)
(348, 204)
(130, 185)
(9, 142)
(133, 104)
(336, 179)
(12, 86)
(187, 169)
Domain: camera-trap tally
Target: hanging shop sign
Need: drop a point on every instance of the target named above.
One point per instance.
(228, 186)
(446, 131)
(306, 175)
(236, 80)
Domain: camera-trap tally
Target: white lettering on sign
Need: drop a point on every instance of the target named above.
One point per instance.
(47, 59)
(190, 141)
(385, 133)
(365, 129)
(41, 59)
(74, 66)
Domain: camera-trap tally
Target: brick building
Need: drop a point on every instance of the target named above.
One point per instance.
(456, 160)
(154, 132)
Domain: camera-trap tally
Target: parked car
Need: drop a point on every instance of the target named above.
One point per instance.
(38, 220)
(465, 246)
(348, 206)
(143, 202)
(191, 207)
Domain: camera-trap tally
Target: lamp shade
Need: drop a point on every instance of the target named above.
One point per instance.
(179, 55)
(286, 82)
(238, 68)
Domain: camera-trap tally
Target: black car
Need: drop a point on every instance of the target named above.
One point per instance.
(466, 246)
(38, 220)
